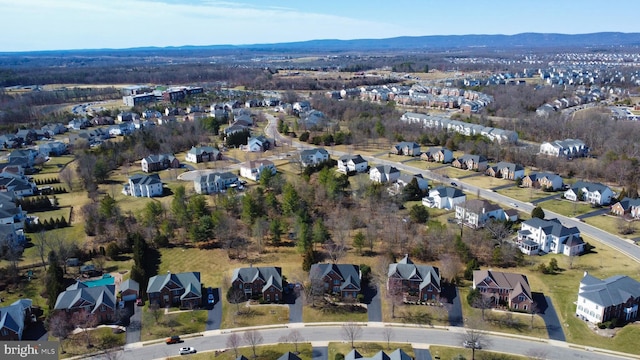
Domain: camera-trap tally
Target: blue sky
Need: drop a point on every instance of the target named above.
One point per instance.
(90, 24)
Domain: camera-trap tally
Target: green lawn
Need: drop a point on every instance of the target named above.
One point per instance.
(334, 313)
(183, 322)
(52, 167)
(524, 194)
(424, 165)
(241, 315)
(487, 182)
(609, 223)
(266, 352)
(566, 207)
(101, 339)
(445, 352)
(53, 214)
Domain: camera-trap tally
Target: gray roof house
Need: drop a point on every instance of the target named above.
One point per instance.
(406, 148)
(421, 282)
(183, 290)
(256, 281)
(342, 279)
(98, 300)
(398, 354)
(602, 300)
(311, 157)
(13, 319)
(384, 174)
(444, 197)
(594, 193)
(549, 236)
(214, 182)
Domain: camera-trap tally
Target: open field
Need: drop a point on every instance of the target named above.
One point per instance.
(487, 182)
(266, 352)
(566, 207)
(333, 314)
(525, 194)
(101, 338)
(244, 314)
(181, 322)
(610, 223)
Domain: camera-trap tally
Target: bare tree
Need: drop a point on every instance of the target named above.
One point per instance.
(234, 342)
(388, 335)
(450, 267)
(533, 310)
(60, 326)
(85, 321)
(156, 311)
(253, 338)
(296, 338)
(474, 339)
(41, 243)
(66, 176)
(236, 296)
(483, 303)
(351, 332)
(314, 289)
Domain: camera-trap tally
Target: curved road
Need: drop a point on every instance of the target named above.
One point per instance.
(216, 340)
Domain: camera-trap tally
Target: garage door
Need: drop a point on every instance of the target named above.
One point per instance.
(130, 297)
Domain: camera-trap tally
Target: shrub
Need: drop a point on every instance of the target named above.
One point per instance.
(339, 356)
(360, 298)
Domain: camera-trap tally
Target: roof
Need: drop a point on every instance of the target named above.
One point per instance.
(448, 192)
(590, 186)
(407, 270)
(289, 356)
(511, 166)
(387, 169)
(145, 179)
(254, 164)
(80, 296)
(203, 149)
(12, 316)
(357, 159)
(130, 284)
(542, 175)
(628, 203)
(184, 280)
(479, 205)
(349, 273)
(503, 280)
(610, 291)
(270, 275)
(552, 227)
(398, 354)
(216, 176)
(151, 159)
(474, 158)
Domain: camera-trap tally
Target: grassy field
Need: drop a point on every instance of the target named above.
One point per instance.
(609, 224)
(101, 338)
(524, 194)
(368, 349)
(566, 207)
(52, 167)
(333, 313)
(424, 165)
(487, 182)
(445, 352)
(242, 315)
(183, 322)
(266, 352)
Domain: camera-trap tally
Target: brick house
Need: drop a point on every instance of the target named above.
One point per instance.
(340, 279)
(416, 281)
(616, 297)
(159, 162)
(470, 162)
(504, 288)
(98, 300)
(543, 180)
(14, 319)
(263, 281)
(203, 154)
(183, 290)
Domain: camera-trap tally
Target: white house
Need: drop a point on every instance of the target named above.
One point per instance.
(405, 179)
(352, 163)
(566, 148)
(444, 198)
(202, 154)
(384, 174)
(214, 182)
(594, 193)
(258, 144)
(313, 156)
(602, 300)
(549, 236)
(252, 169)
(475, 213)
(143, 186)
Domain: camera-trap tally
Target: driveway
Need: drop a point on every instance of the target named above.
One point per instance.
(133, 334)
(214, 315)
(553, 196)
(550, 317)
(320, 353)
(451, 297)
(603, 211)
(422, 354)
(295, 308)
(374, 306)
(505, 186)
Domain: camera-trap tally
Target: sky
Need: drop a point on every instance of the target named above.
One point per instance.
(31, 25)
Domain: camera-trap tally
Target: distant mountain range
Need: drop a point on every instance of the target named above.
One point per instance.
(416, 43)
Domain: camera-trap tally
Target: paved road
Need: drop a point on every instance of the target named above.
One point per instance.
(320, 353)
(214, 315)
(374, 308)
(215, 340)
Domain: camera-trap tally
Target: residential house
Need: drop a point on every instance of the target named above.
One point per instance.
(235, 128)
(444, 197)
(506, 170)
(27, 136)
(313, 157)
(476, 213)
(398, 354)
(265, 281)
(9, 141)
(183, 290)
(129, 290)
(252, 169)
(568, 148)
(406, 148)
(259, 144)
(25, 157)
(14, 319)
(421, 282)
(543, 180)
(54, 129)
(52, 148)
(214, 182)
(159, 162)
(384, 174)
(616, 297)
(340, 279)
(438, 154)
(627, 206)
(405, 179)
(352, 163)
(121, 129)
(594, 193)
(127, 117)
(547, 236)
(98, 300)
(287, 356)
(143, 186)
(470, 162)
(502, 288)
(20, 185)
(203, 154)
(78, 124)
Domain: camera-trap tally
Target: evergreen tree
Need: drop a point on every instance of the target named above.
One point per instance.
(537, 212)
(54, 279)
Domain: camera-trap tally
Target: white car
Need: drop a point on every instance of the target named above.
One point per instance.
(514, 204)
(471, 344)
(187, 350)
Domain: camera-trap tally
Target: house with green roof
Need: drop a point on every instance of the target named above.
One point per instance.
(182, 290)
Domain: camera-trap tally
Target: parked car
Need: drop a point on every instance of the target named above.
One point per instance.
(173, 340)
(187, 350)
(471, 344)
(453, 184)
(139, 302)
(210, 298)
